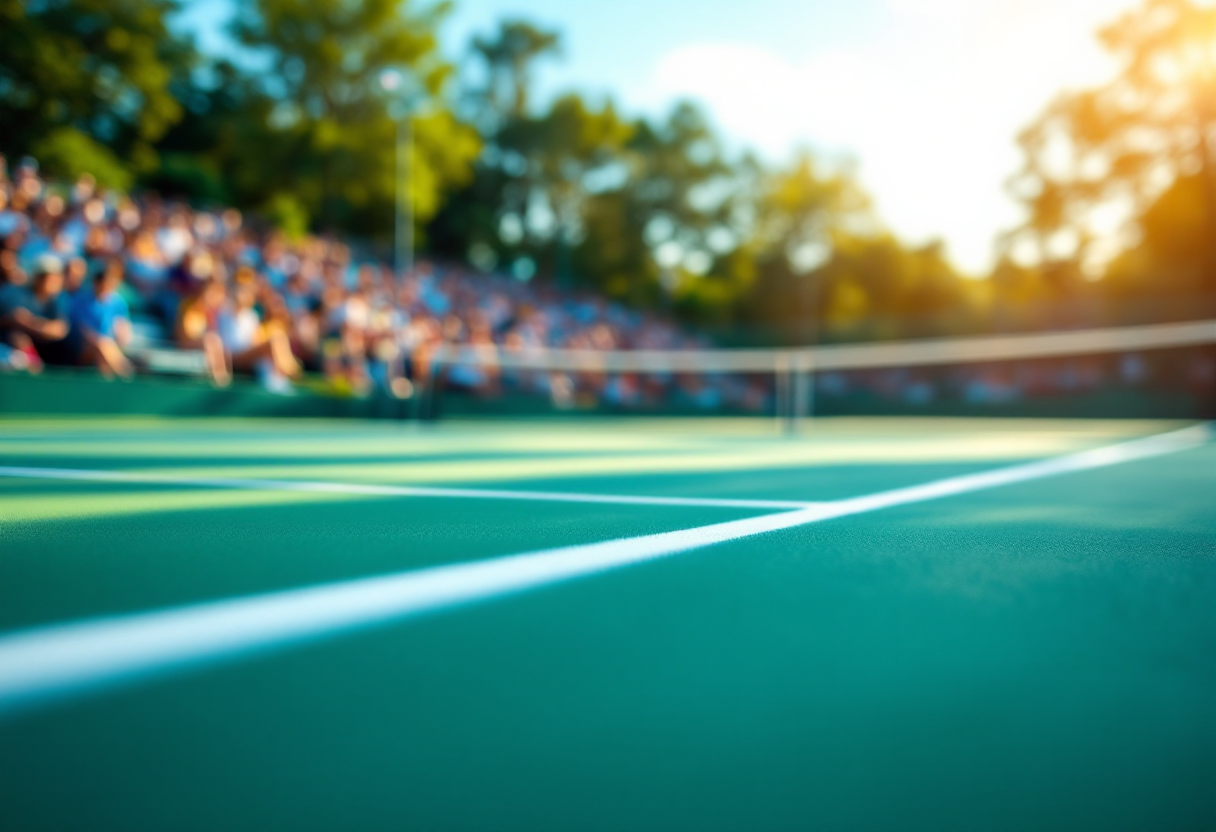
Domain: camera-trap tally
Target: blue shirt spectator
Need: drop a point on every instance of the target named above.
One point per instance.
(101, 323)
(99, 313)
(55, 307)
(12, 297)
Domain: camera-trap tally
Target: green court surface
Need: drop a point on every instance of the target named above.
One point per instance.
(1037, 653)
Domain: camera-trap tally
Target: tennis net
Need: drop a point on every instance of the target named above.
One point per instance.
(1164, 370)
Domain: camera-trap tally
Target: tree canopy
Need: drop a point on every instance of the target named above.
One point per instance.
(656, 211)
(1133, 156)
(331, 124)
(86, 84)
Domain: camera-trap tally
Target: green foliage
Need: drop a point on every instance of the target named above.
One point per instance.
(66, 153)
(327, 124)
(509, 56)
(654, 213)
(195, 177)
(101, 69)
(683, 197)
(285, 212)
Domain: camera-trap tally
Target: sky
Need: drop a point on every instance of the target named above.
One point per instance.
(924, 97)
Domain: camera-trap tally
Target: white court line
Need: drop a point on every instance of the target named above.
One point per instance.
(41, 666)
(87, 475)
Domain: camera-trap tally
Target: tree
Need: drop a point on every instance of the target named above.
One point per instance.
(1173, 256)
(529, 200)
(802, 216)
(563, 149)
(88, 81)
(1118, 149)
(653, 212)
(509, 57)
(329, 126)
(472, 220)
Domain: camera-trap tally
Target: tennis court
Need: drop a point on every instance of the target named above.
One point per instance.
(607, 624)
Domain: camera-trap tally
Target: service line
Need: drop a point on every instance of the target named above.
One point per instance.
(45, 665)
(148, 478)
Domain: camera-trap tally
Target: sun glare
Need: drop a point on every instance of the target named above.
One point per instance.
(944, 84)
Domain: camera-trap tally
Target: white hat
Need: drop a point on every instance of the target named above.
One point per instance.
(48, 264)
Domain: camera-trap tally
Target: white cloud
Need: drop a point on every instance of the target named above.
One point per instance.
(929, 105)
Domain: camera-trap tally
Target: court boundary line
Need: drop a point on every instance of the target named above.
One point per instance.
(44, 665)
(310, 487)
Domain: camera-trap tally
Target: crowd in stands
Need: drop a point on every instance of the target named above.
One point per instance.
(104, 280)
(79, 265)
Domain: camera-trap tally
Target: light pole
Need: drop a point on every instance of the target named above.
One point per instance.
(401, 86)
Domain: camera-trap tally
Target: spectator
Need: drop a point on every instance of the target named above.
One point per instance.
(101, 324)
(74, 277)
(12, 217)
(198, 329)
(35, 321)
(252, 347)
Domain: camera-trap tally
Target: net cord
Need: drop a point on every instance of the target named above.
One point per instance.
(916, 353)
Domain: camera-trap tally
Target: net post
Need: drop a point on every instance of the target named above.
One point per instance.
(810, 384)
(781, 390)
(804, 389)
(790, 381)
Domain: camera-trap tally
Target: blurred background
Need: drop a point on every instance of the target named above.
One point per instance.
(328, 206)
